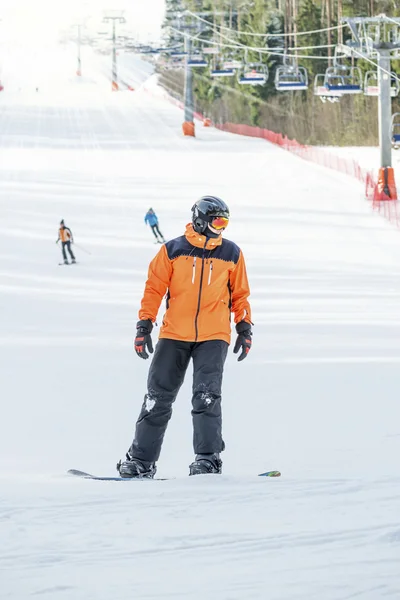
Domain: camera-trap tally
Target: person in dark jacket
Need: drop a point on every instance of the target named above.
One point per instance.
(66, 237)
(204, 280)
(152, 220)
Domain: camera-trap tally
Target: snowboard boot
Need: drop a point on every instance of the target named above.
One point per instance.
(132, 468)
(66, 261)
(205, 464)
(73, 261)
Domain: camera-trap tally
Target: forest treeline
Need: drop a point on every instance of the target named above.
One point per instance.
(237, 24)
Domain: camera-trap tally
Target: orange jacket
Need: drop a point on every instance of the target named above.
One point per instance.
(203, 283)
(65, 234)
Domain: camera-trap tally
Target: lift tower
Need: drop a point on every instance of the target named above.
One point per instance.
(115, 16)
(377, 39)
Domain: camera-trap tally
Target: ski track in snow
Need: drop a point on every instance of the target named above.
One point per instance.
(317, 398)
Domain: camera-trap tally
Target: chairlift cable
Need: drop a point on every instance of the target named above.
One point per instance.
(267, 35)
(244, 47)
(239, 45)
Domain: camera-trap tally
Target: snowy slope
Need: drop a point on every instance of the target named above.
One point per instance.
(317, 397)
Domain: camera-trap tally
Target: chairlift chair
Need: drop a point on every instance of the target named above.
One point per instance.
(174, 63)
(197, 60)
(210, 50)
(291, 77)
(343, 79)
(154, 51)
(322, 91)
(177, 54)
(232, 63)
(395, 130)
(371, 84)
(219, 71)
(253, 73)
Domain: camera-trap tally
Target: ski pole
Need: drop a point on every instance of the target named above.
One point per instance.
(80, 248)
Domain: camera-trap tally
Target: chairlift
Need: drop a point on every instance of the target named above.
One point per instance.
(290, 77)
(177, 53)
(395, 130)
(210, 50)
(253, 73)
(233, 64)
(371, 84)
(171, 63)
(323, 92)
(151, 51)
(220, 71)
(343, 79)
(197, 60)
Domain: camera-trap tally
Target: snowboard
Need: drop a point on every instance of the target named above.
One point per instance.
(85, 475)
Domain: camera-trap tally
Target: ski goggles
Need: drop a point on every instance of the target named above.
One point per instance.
(219, 222)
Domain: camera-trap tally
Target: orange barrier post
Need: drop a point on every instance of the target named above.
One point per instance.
(188, 128)
(114, 86)
(386, 188)
(207, 122)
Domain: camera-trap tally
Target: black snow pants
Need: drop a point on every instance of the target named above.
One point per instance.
(156, 230)
(68, 245)
(166, 375)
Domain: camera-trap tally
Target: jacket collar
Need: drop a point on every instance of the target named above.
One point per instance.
(198, 240)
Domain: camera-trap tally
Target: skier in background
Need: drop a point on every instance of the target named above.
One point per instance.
(152, 220)
(66, 237)
(204, 279)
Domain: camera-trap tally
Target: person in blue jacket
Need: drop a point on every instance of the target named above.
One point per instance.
(152, 220)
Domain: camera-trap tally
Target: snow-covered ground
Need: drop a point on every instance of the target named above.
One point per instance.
(317, 398)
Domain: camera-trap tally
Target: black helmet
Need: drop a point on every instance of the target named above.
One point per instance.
(62, 222)
(205, 210)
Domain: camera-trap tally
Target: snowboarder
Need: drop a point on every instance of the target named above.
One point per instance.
(204, 279)
(152, 220)
(66, 237)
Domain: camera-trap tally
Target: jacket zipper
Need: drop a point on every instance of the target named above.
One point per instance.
(200, 289)
(194, 269)
(210, 273)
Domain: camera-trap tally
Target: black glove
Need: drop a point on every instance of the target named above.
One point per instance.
(143, 338)
(243, 340)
